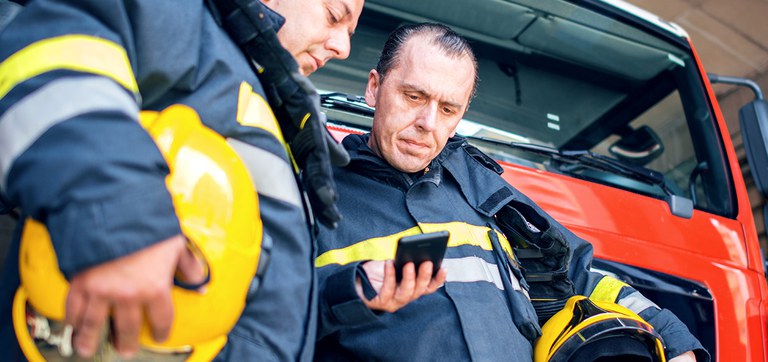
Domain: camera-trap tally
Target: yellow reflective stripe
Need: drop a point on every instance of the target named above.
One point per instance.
(81, 53)
(383, 247)
(254, 111)
(304, 121)
(607, 289)
(467, 234)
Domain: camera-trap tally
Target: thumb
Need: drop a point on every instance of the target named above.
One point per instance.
(191, 270)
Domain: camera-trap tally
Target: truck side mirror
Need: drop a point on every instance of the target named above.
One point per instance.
(753, 118)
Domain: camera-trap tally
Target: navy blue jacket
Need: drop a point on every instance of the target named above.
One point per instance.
(470, 318)
(74, 76)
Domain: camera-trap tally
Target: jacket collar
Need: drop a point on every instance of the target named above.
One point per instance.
(276, 19)
(364, 160)
(476, 173)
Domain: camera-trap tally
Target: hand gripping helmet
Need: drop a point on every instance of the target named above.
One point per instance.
(217, 207)
(589, 330)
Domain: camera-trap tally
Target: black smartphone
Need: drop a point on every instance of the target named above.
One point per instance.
(420, 248)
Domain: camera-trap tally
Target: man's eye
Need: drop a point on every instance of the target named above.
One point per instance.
(332, 17)
(447, 110)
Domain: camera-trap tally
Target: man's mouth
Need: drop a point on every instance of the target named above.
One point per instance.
(318, 63)
(415, 144)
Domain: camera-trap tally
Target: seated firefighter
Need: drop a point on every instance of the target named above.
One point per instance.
(412, 175)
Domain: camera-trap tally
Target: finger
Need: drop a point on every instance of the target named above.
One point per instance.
(89, 327)
(127, 325)
(404, 291)
(160, 316)
(390, 285)
(191, 268)
(438, 280)
(423, 278)
(74, 305)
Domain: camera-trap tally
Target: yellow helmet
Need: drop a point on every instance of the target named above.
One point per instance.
(586, 330)
(217, 207)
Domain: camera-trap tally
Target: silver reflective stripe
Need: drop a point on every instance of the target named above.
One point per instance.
(473, 269)
(58, 101)
(271, 175)
(636, 302)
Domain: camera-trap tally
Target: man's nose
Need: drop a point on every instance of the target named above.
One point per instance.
(426, 119)
(339, 44)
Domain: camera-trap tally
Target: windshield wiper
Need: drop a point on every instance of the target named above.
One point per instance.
(346, 102)
(570, 160)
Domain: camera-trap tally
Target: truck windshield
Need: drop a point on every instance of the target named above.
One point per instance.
(575, 81)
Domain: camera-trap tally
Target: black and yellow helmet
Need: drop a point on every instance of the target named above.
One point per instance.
(589, 330)
(217, 207)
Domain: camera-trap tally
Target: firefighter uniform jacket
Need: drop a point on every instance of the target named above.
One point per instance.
(73, 77)
(470, 318)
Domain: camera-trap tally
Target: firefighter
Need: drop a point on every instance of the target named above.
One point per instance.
(410, 175)
(74, 77)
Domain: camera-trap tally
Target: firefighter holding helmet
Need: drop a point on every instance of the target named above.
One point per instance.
(118, 213)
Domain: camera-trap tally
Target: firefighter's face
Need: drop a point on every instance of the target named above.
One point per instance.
(316, 31)
(419, 104)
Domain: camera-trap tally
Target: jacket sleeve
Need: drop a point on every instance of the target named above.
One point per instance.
(340, 306)
(72, 153)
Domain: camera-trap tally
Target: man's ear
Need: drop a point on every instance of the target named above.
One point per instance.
(372, 88)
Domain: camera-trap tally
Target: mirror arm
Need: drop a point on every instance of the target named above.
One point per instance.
(714, 78)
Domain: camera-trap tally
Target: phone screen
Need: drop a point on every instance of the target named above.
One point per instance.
(420, 248)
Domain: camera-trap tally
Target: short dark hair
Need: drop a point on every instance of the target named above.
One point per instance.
(448, 40)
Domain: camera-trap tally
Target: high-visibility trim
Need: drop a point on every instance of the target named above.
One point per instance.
(473, 269)
(304, 121)
(271, 175)
(83, 53)
(607, 289)
(55, 102)
(637, 303)
(254, 111)
(383, 247)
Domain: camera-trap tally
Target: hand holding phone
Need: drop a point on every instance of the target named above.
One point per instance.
(420, 248)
